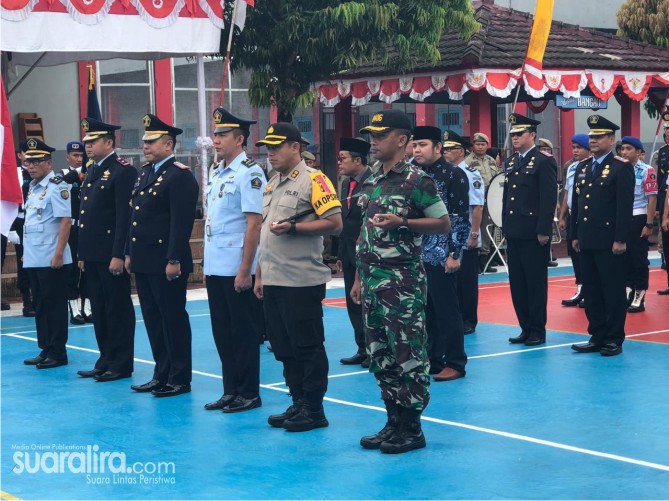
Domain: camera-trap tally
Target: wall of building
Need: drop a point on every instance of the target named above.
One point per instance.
(53, 93)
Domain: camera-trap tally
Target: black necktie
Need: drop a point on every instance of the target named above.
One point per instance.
(94, 170)
(595, 164)
(152, 174)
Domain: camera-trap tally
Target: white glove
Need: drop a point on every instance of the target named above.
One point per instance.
(13, 237)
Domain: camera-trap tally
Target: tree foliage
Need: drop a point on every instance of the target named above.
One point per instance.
(646, 21)
(289, 44)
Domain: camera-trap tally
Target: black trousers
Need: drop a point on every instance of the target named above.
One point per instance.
(235, 335)
(636, 256)
(468, 288)
(113, 317)
(665, 250)
(445, 333)
(575, 262)
(294, 321)
(163, 304)
(528, 278)
(354, 310)
(604, 295)
(76, 279)
(51, 316)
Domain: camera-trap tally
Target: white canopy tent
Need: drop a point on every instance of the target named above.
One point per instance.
(51, 32)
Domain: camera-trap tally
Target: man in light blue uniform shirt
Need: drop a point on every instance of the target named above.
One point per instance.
(468, 278)
(46, 255)
(232, 232)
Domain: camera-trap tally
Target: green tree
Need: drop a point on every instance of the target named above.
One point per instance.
(289, 44)
(646, 21)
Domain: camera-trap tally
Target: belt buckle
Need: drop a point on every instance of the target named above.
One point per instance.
(207, 230)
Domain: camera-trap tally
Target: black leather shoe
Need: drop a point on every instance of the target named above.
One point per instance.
(356, 359)
(88, 318)
(241, 404)
(220, 403)
(154, 384)
(611, 350)
(77, 320)
(552, 264)
(34, 361)
(534, 341)
(5, 306)
(365, 363)
(586, 347)
(91, 373)
(664, 292)
(491, 270)
(519, 339)
(28, 311)
(306, 420)
(171, 390)
(469, 330)
(50, 363)
(112, 376)
(277, 420)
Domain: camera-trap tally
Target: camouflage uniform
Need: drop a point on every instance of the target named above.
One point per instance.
(393, 283)
(488, 169)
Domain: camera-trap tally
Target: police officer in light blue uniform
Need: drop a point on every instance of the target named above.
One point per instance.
(46, 255)
(232, 232)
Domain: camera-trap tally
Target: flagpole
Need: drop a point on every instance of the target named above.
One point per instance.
(226, 67)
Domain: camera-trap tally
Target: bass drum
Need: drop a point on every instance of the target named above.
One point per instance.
(495, 197)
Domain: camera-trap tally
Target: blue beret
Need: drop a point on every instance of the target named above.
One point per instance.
(582, 140)
(633, 141)
(75, 146)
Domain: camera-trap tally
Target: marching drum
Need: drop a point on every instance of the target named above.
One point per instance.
(495, 198)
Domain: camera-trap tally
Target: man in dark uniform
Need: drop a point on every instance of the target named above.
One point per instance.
(442, 255)
(232, 231)
(530, 196)
(158, 252)
(601, 216)
(352, 162)
(72, 175)
(103, 228)
(660, 161)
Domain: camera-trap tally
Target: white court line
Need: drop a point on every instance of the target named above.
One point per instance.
(489, 431)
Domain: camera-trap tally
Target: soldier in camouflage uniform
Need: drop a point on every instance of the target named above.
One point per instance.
(487, 167)
(398, 203)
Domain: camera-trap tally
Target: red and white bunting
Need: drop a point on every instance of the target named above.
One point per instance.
(497, 82)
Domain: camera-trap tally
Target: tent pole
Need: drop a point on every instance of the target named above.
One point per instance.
(30, 70)
(202, 119)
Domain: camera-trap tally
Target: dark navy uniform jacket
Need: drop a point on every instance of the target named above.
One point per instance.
(530, 195)
(104, 215)
(163, 213)
(601, 207)
(352, 220)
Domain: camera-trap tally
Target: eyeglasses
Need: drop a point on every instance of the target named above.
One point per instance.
(517, 134)
(34, 161)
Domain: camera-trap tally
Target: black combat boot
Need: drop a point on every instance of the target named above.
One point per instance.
(308, 418)
(277, 420)
(374, 441)
(409, 435)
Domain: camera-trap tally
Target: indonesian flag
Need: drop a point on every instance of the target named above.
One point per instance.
(240, 12)
(10, 188)
(532, 67)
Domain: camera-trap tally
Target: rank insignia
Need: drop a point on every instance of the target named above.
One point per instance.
(294, 174)
(256, 183)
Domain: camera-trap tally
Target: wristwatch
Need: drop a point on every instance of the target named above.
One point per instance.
(293, 228)
(174, 261)
(404, 226)
(454, 254)
(649, 226)
(474, 234)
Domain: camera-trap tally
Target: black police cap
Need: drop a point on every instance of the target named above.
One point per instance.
(600, 126)
(279, 133)
(95, 129)
(224, 121)
(454, 140)
(521, 123)
(154, 127)
(386, 120)
(36, 148)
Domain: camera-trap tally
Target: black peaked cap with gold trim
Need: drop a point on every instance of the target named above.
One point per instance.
(224, 121)
(35, 148)
(279, 133)
(94, 129)
(600, 126)
(521, 123)
(154, 127)
(454, 140)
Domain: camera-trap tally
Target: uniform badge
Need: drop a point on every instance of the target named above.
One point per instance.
(106, 173)
(578, 190)
(32, 144)
(605, 173)
(256, 183)
(147, 120)
(477, 184)
(268, 187)
(64, 194)
(294, 174)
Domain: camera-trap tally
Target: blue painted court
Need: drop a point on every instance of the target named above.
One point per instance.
(526, 423)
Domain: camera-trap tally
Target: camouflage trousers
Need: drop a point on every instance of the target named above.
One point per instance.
(397, 343)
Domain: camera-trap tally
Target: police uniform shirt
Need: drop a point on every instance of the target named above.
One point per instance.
(645, 185)
(569, 182)
(476, 192)
(233, 190)
(47, 202)
(295, 260)
(485, 165)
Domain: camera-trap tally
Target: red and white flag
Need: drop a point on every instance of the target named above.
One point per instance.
(240, 12)
(10, 188)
